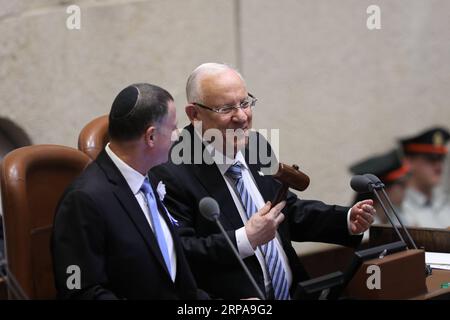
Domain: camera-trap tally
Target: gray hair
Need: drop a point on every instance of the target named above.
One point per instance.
(193, 89)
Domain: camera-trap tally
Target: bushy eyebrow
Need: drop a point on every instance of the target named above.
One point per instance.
(232, 105)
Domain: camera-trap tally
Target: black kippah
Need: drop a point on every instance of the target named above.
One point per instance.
(124, 103)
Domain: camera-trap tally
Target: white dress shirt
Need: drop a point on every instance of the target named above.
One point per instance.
(417, 211)
(244, 247)
(135, 180)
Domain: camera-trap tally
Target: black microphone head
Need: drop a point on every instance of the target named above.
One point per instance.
(372, 178)
(361, 184)
(209, 208)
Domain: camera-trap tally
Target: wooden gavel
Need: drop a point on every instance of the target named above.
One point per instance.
(290, 177)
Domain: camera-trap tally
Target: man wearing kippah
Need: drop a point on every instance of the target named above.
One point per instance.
(111, 225)
(425, 205)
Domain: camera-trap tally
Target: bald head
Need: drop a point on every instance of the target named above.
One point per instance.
(207, 78)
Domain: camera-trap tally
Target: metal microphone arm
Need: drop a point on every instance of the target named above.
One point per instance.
(377, 184)
(210, 209)
(398, 218)
(375, 192)
(428, 270)
(249, 275)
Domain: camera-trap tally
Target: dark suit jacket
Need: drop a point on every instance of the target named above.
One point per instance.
(100, 227)
(212, 262)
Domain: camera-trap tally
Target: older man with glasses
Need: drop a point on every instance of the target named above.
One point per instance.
(218, 101)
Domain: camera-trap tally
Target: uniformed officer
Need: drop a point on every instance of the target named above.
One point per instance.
(425, 205)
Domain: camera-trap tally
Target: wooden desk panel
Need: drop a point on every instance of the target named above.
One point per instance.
(3, 292)
(433, 283)
(432, 240)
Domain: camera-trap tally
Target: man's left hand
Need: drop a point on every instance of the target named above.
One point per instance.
(361, 216)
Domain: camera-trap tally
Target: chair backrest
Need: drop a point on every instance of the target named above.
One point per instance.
(94, 137)
(33, 180)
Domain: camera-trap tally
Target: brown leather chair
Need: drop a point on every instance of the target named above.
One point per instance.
(94, 137)
(33, 179)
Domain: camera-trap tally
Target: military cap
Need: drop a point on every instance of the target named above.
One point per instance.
(431, 142)
(389, 167)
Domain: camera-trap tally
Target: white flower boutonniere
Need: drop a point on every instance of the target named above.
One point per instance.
(161, 189)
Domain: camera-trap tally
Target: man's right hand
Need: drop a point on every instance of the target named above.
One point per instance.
(263, 225)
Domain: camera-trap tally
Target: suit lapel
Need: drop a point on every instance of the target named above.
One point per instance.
(260, 183)
(130, 205)
(211, 179)
(264, 187)
(209, 176)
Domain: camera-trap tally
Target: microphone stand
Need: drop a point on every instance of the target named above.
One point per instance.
(249, 275)
(387, 215)
(377, 184)
(428, 269)
(398, 218)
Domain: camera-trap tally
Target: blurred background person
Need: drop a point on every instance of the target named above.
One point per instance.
(111, 221)
(426, 205)
(394, 172)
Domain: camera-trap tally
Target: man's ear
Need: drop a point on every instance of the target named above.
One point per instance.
(149, 136)
(192, 112)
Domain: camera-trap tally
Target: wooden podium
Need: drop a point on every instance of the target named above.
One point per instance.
(401, 276)
(432, 240)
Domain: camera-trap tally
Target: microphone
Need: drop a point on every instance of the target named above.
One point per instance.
(380, 185)
(371, 183)
(375, 180)
(209, 208)
(361, 184)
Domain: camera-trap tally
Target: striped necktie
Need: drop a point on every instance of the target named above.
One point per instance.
(272, 257)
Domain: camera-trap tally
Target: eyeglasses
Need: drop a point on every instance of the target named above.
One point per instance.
(249, 101)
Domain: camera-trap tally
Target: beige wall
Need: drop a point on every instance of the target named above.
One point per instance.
(337, 91)
(54, 80)
(340, 92)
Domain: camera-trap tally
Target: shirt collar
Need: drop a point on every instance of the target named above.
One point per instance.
(419, 198)
(222, 161)
(134, 178)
